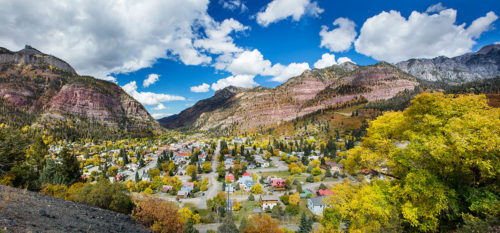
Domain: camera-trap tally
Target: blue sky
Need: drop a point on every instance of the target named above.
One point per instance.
(183, 44)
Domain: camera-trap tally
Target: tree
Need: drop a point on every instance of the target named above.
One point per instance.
(103, 194)
(331, 219)
(159, 215)
(256, 189)
(298, 187)
(112, 171)
(251, 197)
(262, 223)
(438, 153)
(137, 179)
(294, 199)
(189, 228)
(206, 167)
(191, 169)
(228, 225)
(305, 225)
(70, 167)
(243, 224)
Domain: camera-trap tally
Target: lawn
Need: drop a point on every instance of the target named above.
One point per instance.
(246, 210)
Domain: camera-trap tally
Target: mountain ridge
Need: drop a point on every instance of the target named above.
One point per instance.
(44, 91)
(482, 64)
(301, 95)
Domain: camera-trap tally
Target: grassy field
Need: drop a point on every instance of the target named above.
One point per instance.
(246, 210)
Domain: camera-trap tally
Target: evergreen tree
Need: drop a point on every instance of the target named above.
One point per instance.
(137, 177)
(305, 224)
(190, 227)
(70, 168)
(228, 225)
(51, 174)
(243, 224)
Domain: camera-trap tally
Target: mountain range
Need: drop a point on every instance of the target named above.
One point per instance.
(41, 90)
(37, 89)
(319, 89)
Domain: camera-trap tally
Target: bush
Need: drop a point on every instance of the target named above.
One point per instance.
(159, 215)
(310, 179)
(292, 209)
(106, 195)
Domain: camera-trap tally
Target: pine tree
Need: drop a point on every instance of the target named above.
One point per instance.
(228, 225)
(243, 224)
(190, 227)
(70, 168)
(137, 177)
(305, 225)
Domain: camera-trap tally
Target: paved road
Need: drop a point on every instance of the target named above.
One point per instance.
(278, 166)
(140, 171)
(213, 189)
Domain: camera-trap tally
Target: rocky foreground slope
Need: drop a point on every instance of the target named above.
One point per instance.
(312, 91)
(39, 89)
(25, 211)
(483, 64)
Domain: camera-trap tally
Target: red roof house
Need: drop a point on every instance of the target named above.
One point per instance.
(231, 177)
(325, 192)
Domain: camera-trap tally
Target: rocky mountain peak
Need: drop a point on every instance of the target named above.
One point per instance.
(483, 64)
(32, 56)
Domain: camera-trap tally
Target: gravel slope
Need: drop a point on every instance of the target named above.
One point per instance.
(24, 211)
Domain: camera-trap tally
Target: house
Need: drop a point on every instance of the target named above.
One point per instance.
(279, 184)
(187, 186)
(246, 183)
(317, 204)
(166, 188)
(182, 194)
(230, 177)
(229, 188)
(268, 202)
(306, 193)
(325, 192)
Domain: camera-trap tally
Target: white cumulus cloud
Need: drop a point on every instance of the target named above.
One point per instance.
(329, 60)
(389, 36)
(282, 73)
(236, 80)
(152, 79)
(325, 61)
(160, 106)
(148, 98)
(340, 38)
(436, 8)
(233, 5)
(201, 88)
(104, 37)
(344, 60)
(161, 115)
(282, 9)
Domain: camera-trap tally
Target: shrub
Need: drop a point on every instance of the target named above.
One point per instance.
(159, 215)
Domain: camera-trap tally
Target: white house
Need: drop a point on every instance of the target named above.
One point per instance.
(268, 202)
(316, 205)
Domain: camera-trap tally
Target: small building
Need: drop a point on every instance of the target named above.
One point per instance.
(268, 202)
(306, 193)
(230, 176)
(166, 188)
(182, 194)
(279, 184)
(325, 192)
(317, 204)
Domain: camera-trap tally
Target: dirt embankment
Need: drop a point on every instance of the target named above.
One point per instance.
(24, 211)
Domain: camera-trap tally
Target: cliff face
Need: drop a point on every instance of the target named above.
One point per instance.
(46, 89)
(312, 91)
(483, 64)
(30, 55)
